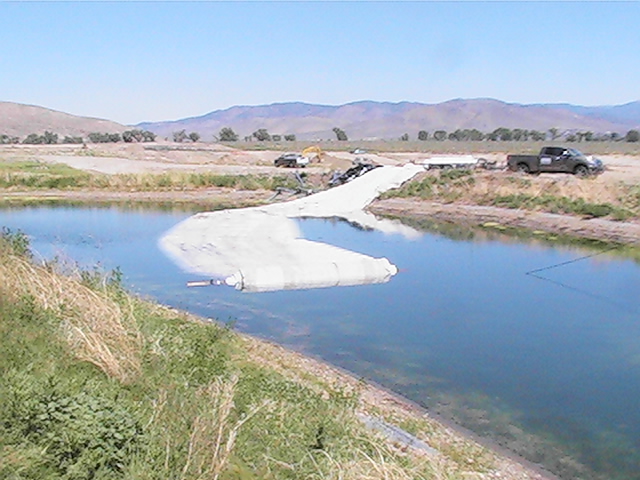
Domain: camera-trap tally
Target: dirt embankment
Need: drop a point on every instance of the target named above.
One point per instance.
(591, 228)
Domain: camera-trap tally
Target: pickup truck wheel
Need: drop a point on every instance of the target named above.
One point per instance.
(522, 168)
(581, 171)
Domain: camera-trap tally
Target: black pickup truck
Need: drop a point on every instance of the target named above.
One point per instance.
(555, 159)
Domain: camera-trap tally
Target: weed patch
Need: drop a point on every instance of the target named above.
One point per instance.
(565, 205)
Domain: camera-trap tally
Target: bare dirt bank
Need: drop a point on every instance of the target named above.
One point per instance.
(591, 228)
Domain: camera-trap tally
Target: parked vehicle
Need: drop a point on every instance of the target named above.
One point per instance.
(556, 159)
(291, 160)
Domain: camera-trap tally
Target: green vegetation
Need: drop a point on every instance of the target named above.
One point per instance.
(137, 135)
(39, 175)
(48, 138)
(341, 136)
(97, 137)
(632, 136)
(553, 204)
(261, 135)
(8, 139)
(96, 384)
(512, 191)
(227, 134)
(446, 186)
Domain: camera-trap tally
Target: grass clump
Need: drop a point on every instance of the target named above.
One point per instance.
(445, 185)
(38, 175)
(553, 204)
(96, 384)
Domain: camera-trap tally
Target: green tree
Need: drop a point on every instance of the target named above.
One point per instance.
(7, 139)
(632, 136)
(50, 138)
(180, 136)
(537, 136)
(227, 134)
(340, 134)
(554, 133)
(520, 135)
(33, 139)
(404, 137)
(504, 134)
(423, 135)
(148, 136)
(261, 135)
(276, 138)
(134, 135)
(290, 138)
(476, 135)
(74, 140)
(194, 137)
(440, 135)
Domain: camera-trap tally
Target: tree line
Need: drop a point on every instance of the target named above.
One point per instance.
(227, 134)
(51, 138)
(504, 134)
(501, 134)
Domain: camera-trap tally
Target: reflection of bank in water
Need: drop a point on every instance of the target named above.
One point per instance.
(262, 249)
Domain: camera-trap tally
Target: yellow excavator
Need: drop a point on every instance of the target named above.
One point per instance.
(313, 153)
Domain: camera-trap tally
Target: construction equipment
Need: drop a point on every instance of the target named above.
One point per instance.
(313, 153)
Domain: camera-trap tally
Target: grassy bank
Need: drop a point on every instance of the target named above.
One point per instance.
(35, 175)
(567, 195)
(95, 383)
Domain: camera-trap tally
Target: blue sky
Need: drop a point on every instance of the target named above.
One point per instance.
(151, 61)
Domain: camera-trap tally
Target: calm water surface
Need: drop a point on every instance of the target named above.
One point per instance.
(462, 329)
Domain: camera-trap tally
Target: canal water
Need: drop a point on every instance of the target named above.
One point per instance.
(531, 344)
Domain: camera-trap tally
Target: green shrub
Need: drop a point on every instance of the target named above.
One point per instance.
(80, 436)
(17, 242)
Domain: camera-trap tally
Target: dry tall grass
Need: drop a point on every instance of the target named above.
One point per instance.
(213, 434)
(98, 330)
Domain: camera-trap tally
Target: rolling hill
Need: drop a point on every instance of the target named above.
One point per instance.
(368, 119)
(20, 120)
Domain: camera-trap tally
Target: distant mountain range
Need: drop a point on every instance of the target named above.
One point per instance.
(384, 120)
(360, 120)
